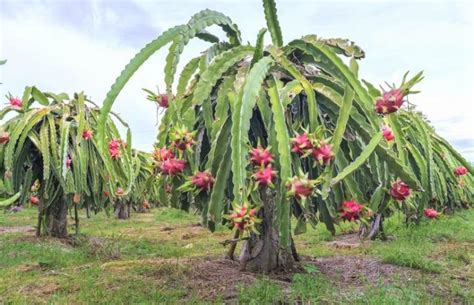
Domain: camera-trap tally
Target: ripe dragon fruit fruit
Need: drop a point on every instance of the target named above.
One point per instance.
(400, 190)
(203, 180)
(460, 171)
(15, 102)
(389, 102)
(162, 154)
(264, 176)
(431, 213)
(4, 137)
(114, 148)
(162, 100)
(172, 167)
(106, 194)
(300, 187)
(301, 145)
(351, 210)
(244, 218)
(87, 134)
(260, 156)
(34, 200)
(146, 205)
(323, 154)
(387, 133)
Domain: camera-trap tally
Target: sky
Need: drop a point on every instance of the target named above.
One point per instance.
(72, 46)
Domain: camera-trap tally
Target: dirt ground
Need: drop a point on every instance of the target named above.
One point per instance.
(210, 276)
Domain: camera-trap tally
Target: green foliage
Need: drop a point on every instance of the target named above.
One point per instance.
(47, 156)
(234, 97)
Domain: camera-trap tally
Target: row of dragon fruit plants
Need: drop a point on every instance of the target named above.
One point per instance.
(251, 136)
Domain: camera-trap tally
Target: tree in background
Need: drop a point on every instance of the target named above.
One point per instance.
(49, 158)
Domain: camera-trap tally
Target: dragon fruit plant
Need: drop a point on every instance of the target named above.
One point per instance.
(49, 158)
(282, 131)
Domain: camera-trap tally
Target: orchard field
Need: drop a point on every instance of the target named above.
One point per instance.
(277, 176)
(165, 257)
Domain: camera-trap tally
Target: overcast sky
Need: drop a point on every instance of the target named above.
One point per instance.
(70, 46)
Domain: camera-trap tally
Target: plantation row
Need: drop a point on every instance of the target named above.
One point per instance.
(251, 136)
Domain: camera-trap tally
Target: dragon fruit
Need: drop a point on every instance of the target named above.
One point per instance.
(172, 167)
(301, 144)
(163, 154)
(387, 133)
(15, 102)
(431, 213)
(351, 210)
(400, 190)
(389, 102)
(87, 134)
(162, 100)
(260, 156)
(323, 154)
(300, 187)
(460, 171)
(114, 148)
(264, 176)
(244, 218)
(203, 180)
(34, 200)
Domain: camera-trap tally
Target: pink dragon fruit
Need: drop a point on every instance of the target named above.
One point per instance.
(301, 145)
(34, 200)
(260, 156)
(323, 154)
(389, 102)
(460, 171)
(387, 133)
(87, 134)
(203, 180)
(351, 210)
(163, 154)
(400, 190)
(15, 102)
(264, 176)
(431, 213)
(114, 148)
(162, 100)
(300, 187)
(172, 167)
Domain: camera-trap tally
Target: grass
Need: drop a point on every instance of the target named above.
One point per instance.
(150, 259)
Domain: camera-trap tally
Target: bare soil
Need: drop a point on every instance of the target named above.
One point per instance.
(347, 241)
(355, 271)
(16, 229)
(210, 277)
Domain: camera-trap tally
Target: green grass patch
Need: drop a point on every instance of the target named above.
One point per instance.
(143, 260)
